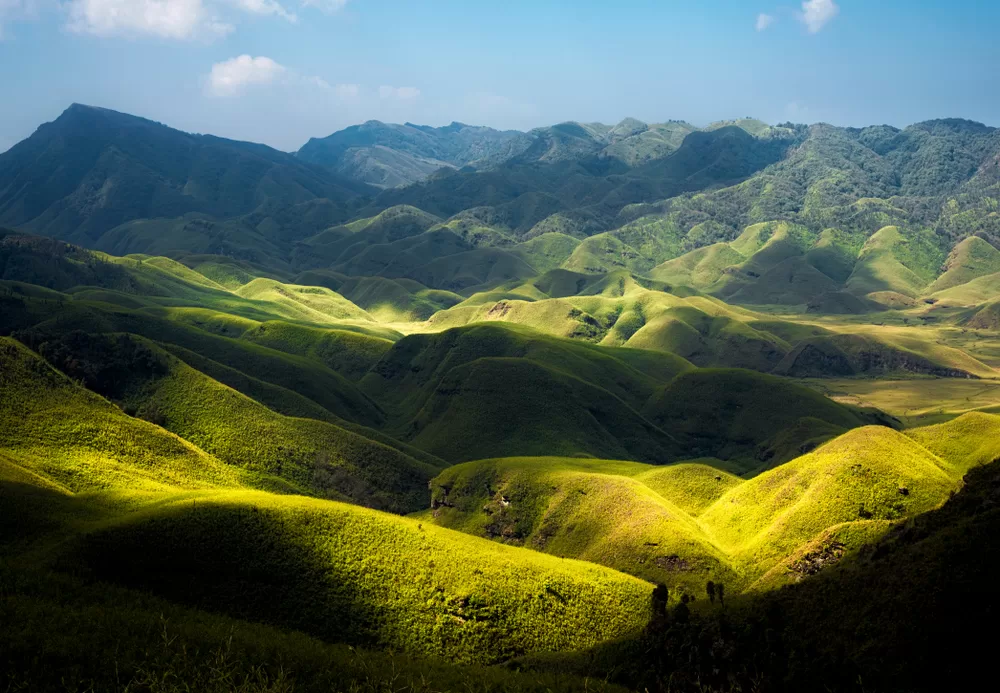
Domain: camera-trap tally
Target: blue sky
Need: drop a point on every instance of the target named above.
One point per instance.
(281, 71)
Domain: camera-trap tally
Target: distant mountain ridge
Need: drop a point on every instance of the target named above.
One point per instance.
(390, 155)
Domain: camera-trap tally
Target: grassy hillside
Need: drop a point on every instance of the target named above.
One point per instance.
(618, 514)
(688, 523)
(893, 261)
(79, 441)
(351, 575)
(106, 637)
(127, 502)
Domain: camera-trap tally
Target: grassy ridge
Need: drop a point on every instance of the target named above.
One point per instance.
(596, 510)
(81, 442)
(316, 456)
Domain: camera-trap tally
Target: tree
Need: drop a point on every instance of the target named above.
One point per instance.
(720, 590)
(681, 611)
(710, 588)
(661, 595)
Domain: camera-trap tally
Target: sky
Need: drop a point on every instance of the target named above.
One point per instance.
(282, 71)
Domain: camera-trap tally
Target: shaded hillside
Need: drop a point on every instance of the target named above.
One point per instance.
(760, 419)
(471, 392)
(703, 159)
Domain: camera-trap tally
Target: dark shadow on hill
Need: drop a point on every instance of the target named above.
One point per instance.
(240, 560)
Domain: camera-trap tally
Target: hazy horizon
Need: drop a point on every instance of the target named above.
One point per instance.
(5, 146)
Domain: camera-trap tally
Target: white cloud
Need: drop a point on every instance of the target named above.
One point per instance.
(764, 21)
(233, 76)
(398, 93)
(171, 19)
(817, 13)
(265, 7)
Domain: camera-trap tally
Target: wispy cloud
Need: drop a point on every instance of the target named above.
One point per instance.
(265, 8)
(816, 14)
(764, 21)
(170, 19)
(398, 93)
(325, 5)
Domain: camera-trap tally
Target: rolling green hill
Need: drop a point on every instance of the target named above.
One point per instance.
(132, 493)
(688, 523)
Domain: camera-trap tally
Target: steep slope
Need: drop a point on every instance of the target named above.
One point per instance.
(968, 260)
(314, 457)
(80, 441)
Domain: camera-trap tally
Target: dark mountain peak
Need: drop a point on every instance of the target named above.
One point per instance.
(93, 169)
